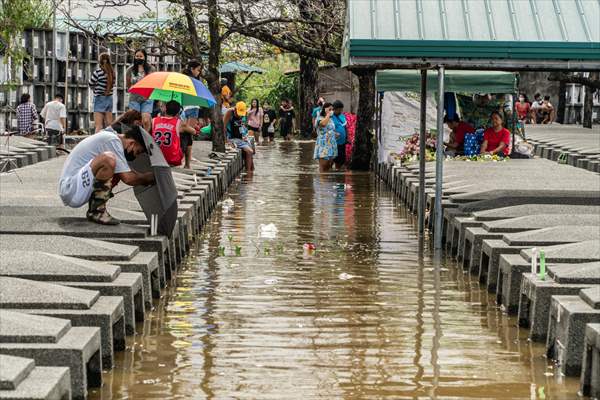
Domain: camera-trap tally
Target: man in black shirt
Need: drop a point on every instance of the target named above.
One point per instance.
(287, 119)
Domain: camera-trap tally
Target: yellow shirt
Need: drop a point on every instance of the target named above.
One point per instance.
(225, 94)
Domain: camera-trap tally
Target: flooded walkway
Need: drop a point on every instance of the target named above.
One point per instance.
(367, 316)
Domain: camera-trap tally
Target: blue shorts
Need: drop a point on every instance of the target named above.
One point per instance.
(192, 112)
(103, 104)
(240, 143)
(143, 107)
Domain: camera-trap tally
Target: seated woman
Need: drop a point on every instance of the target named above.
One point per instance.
(457, 138)
(496, 140)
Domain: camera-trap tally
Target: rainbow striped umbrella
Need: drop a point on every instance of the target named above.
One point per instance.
(167, 86)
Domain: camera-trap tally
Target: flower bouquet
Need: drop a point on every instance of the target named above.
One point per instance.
(410, 150)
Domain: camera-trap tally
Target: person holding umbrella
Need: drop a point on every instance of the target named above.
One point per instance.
(173, 86)
(190, 115)
(94, 164)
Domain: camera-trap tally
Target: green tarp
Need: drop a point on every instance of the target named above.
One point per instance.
(456, 81)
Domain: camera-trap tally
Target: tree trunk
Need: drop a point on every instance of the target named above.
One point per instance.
(191, 22)
(560, 112)
(363, 144)
(212, 77)
(307, 93)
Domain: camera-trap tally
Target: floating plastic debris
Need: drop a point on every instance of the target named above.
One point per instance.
(268, 231)
(228, 202)
(271, 281)
(344, 186)
(344, 276)
(260, 202)
(309, 249)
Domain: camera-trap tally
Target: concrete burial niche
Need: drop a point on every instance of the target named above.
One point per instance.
(84, 274)
(566, 328)
(70, 226)
(534, 209)
(52, 342)
(512, 243)
(146, 263)
(89, 249)
(20, 378)
(496, 229)
(513, 266)
(473, 239)
(82, 307)
(95, 250)
(590, 372)
(536, 293)
(510, 200)
(125, 215)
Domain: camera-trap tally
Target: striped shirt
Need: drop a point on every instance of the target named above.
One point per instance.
(99, 81)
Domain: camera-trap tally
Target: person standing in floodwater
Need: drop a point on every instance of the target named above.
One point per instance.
(190, 115)
(339, 120)
(326, 149)
(287, 119)
(255, 120)
(268, 125)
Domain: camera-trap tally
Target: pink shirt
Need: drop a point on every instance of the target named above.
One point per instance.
(255, 118)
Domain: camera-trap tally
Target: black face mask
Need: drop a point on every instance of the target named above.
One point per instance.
(138, 62)
(129, 156)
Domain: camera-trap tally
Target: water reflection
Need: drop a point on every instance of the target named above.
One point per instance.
(367, 316)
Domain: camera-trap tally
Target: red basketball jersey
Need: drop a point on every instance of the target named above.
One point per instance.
(165, 131)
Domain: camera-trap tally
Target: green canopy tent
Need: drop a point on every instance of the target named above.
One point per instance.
(395, 80)
(455, 81)
(506, 35)
(235, 67)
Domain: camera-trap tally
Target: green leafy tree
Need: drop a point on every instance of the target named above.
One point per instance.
(15, 17)
(273, 84)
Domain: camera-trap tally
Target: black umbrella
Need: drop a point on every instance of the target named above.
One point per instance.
(158, 201)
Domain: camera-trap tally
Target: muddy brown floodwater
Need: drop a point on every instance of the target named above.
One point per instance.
(365, 317)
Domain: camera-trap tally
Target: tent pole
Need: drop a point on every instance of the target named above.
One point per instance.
(439, 163)
(514, 118)
(423, 121)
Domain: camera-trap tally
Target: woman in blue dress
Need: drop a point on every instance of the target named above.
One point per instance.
(326, 145)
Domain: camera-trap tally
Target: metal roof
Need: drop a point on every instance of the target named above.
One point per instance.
(501, 34)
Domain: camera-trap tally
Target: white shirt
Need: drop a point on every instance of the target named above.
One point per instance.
(52, 112)
(536, 105)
